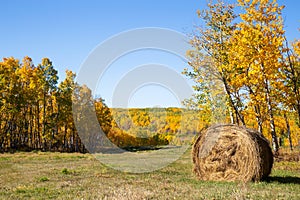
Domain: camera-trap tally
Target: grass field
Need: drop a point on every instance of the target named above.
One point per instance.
(39, 175)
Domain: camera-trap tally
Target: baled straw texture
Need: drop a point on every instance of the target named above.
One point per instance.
(231, 153)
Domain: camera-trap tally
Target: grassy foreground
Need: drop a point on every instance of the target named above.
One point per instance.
(80, 176)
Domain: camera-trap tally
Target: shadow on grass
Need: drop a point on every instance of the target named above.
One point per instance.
(284, 180)
(141, 148)
(120, 150)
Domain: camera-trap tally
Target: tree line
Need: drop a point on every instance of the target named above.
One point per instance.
(36, 111)
(243, 65)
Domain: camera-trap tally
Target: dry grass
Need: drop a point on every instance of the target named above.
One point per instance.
(287, 155)
(80, 176)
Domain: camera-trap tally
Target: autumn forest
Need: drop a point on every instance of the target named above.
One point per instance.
(244, 69)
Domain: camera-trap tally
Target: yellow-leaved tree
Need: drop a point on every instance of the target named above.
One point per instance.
(255, 54)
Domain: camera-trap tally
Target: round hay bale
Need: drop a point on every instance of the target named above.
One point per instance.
(228, 152)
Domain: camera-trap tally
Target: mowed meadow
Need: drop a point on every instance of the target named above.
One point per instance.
(45, 175)
(244, 72)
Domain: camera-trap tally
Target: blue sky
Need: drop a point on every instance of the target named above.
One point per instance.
(66, 31)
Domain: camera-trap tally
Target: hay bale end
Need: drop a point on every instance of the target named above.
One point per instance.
(228, 152)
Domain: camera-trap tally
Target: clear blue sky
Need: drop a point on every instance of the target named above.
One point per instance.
(66, 31)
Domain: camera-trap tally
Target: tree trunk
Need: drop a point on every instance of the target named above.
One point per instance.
(44, 121)
(231, 115)
(288, 131)
(271, 116)
(258, 116)
(238, 114)
(258, 119)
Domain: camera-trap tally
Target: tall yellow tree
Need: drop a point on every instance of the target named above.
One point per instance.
(48, 85)
(255, 53)
(9, 102)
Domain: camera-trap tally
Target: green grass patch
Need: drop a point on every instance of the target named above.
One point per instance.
(43, 179)
(66, 171)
